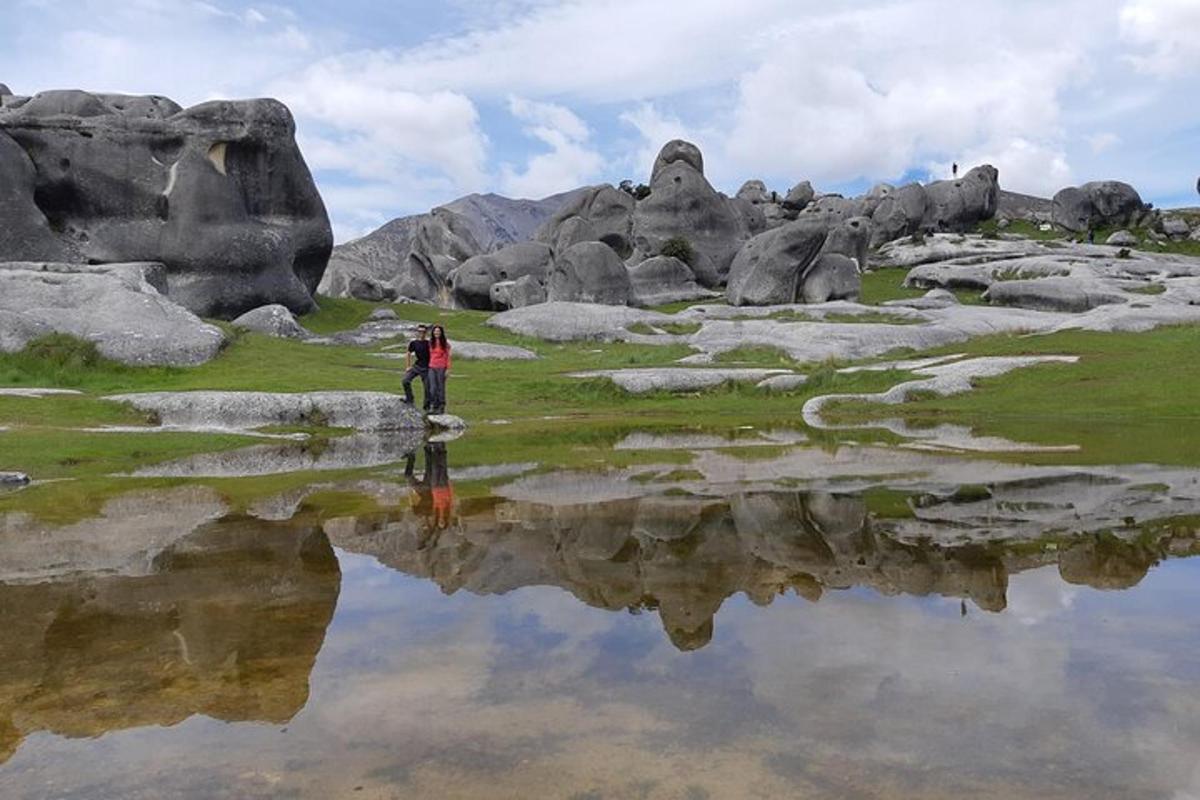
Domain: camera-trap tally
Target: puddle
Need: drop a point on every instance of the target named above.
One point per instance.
(867, 622)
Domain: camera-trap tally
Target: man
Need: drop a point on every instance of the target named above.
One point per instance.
(416, 365)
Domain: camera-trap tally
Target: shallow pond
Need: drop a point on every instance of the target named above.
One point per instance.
(774, 621)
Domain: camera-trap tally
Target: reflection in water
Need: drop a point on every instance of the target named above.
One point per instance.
(225, 620)
(448, 672)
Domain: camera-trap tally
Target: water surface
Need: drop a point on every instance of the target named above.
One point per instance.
(863, 623)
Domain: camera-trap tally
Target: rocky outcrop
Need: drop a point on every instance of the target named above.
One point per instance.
(1074, 295)
(664, 279)
(218, 193)
(831, 276)
(274, 321)
(960, 205)
(898, 214)
(769, 268)
(473, 281)
(799, 196)
(525, 291)
(1100, 203)
(374, 266)
(683, 205)
(589, 272)
(362, 411)
(852, 239)
(118, 307)
(595, 214)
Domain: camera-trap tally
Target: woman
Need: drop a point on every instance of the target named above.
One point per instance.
(439, 365)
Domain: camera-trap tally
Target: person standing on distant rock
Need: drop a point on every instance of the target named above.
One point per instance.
(954, 169)
(416, 365)
(439, 367)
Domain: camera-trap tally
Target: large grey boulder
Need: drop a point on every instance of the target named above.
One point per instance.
(119, 307)
(441, 242)
(1073, 295)
(898, 214)
(871, 200)
(362, 411)
(219, 193)
(755, 192)
(274, 320)
(1176, 227)
(1122, 238)
(831, 276)
(674, 151)
(473, 280)
(664, 279)
(768, 268)
(831, 209)
(799, 196)
(1100, 203)
(961, 204)
(596, 214)
(852, 239)
(682, 204)
(525, 291)
(589, 272)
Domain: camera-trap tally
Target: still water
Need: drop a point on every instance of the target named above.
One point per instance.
(859, 623)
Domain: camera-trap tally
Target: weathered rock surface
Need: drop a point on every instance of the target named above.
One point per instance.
(852, 239)
(1176, 227)
(1013, 206)
(664, 279)
(898, 214)
(755, 192)
(1122, 239)
(831, 276)
(1100, 203)
(567, 322)
(674, 151)
(959, 205)
(678, 379)
(769, 268)
(219, 193)
(274, 321)
(473, 281)
(119, 307)
(799, 196)
(589, 272)
(682, 204)
(363, 411)
(525, 291)
(594, 214)
(486, 351)
(1073, 295)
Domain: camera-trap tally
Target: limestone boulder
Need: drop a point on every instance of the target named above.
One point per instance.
(273, 320)
(525, 291)
(852, 239)
(589, 272)
(600, 213)
(473, 280)
(769, 267)
(442, 241)
(664, 279)
(1073, 295)
(219, 193)
(898, 214)
(831, 276)
(799, 196)
(1122, 238)
(755, 192)
(961, 204)
(119, 307)
(1096, 204)
(682, 204)
(1176, 227)
(674, 151)
(871, 200)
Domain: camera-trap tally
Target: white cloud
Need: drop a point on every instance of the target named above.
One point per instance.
(1106, 140)
(1167, 33)
(569, 164)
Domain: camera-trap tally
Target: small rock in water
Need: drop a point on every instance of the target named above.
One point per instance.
(11, 479)
(447, 422)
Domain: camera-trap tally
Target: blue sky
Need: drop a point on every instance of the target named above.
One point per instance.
(404, 105)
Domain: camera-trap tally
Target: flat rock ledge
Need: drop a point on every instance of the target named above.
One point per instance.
(206, 410)
(683, 379)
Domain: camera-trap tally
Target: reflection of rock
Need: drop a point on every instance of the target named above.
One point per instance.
(226, 622)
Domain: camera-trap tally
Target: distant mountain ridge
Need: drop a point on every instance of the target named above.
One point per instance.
(492, 220)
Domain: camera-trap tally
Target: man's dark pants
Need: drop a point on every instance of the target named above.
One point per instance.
(416, 372)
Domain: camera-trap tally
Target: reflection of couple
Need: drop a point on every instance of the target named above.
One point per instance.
(433, 496)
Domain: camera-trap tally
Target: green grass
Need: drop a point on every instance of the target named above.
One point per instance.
(882, 285)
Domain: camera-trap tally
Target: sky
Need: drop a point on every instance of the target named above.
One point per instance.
(404, 105)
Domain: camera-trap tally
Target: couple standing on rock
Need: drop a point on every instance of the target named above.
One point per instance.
(428, 360)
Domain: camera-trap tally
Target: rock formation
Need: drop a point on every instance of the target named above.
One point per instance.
(664, 279)
(1101, 203)
(474, 279)
(589, 272)
(218, 193)
(768, 269)
(961, 204)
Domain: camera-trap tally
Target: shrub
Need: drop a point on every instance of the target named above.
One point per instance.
(66, 351)
(918, 238)
(678, 247)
